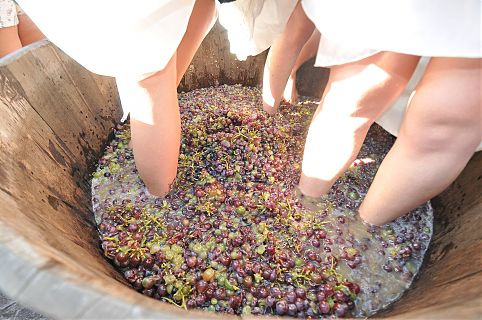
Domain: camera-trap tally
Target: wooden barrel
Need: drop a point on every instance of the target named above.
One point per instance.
(55, 121)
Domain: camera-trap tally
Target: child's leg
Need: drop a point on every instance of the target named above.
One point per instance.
(9, 40)
(155, 124)
(201, 21)
(356, 95)
(282, 57)
(309, 50)
(440, 132)
(28, 31)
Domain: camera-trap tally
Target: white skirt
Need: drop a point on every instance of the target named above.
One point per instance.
(352, 29)
(112, 37)
(8, 14)
(253, 25)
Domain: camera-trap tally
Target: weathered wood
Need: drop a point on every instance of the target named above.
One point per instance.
(56, 117)
(213, 65)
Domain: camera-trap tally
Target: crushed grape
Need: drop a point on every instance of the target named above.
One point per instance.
(234, 236)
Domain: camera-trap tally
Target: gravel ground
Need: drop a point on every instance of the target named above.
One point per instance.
(11, 310)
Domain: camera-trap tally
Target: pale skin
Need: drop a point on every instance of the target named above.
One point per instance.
(28, 31)
(290, 94)
(9, 40)
(155, 119)
(439, 134)
(282, 57)
(356, 94)
(16, 37)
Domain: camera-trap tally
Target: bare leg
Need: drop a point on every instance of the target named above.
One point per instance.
(356, 95)
(202, 20)
(440, 132)
(9, 40)
(309, 51)
(155, 119)
(155, 124)
(28, 31)
(282, 56)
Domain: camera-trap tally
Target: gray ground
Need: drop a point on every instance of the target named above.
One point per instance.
(11, 310)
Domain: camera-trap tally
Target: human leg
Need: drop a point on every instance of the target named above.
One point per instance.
(356, 95)
(309, 51)
(440, 132)
(153, 105)
(9, 40)
(201, 21)
(28, 31)
(155, 125)
(282, 56)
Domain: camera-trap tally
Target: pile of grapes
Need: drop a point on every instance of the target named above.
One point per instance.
(233, 235)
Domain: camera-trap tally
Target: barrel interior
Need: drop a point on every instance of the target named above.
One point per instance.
(56, 117)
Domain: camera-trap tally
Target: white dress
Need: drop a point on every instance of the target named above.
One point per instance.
(252, 25)
(443, 28)
(114, 37)
(8, 14)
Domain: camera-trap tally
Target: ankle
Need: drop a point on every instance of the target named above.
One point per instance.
(270, 109)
